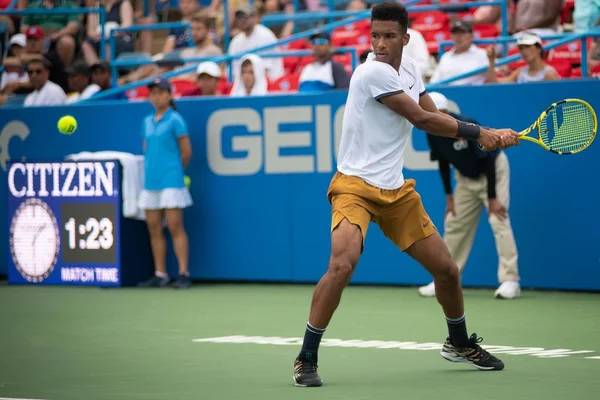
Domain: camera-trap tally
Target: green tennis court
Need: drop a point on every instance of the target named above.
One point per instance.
(61, 343)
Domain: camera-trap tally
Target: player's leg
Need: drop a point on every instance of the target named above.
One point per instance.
(508, 270)
(350, 220)
(432, 253)
(180, 245)
(460, 228)
(407, 224)
(158, 244)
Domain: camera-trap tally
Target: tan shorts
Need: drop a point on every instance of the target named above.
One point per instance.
(399, 213)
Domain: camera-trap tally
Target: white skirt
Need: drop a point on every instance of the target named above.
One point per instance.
(164, 199)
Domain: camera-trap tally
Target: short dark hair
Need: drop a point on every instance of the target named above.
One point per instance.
(391, 12)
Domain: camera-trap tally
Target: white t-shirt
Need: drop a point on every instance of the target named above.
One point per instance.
(417, 50)
(373, 136)
(49, 95)
(88, 92)
(453, 64)
(260, 36)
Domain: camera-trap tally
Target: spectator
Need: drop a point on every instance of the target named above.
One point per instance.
(101, 76)
(45, 92)
(254, 35)
(61, 29)
(464, 57)
(530, 47)
(208, 74)
(119, 13)
(418, 51)
(586, 15)
(594, 52)
(11, 21)
(16, 48)
(34, 49)
(167, 152)
(180, 38)
(251, 80)
(323, 73)
(203, 45)
(541, 17)
(79, 82)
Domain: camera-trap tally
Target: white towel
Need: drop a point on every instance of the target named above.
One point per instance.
(133, 177)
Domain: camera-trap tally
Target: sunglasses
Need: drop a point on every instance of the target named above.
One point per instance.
(320, 41)
(34, 71)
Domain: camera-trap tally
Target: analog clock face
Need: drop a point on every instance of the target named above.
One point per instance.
(34, 240)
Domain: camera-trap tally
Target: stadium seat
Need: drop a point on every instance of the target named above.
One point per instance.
(224, 86)
(133, 56)
(570, 52)
(485, 31)
(562, 67)
(433, 39)
(290, 64)
(181, 85)
(138, 93)
(287, 83)
(304, 61)
(431, 21)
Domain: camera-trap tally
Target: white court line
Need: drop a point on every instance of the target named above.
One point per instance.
(539, 352)
(16, 398)
(593, 358)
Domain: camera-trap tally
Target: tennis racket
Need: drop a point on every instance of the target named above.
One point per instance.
(566, 127)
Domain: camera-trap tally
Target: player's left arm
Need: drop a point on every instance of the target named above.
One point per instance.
(183, 140)
(552, 75)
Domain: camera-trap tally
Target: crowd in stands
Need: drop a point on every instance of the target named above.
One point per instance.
(54, 58)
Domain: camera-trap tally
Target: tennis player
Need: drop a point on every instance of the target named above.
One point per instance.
(385, 100)
(482, 180)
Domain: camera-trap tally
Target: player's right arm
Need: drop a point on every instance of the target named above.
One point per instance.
(382, 83)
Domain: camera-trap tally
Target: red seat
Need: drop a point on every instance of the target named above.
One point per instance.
(344, 38)
(290, 64)
(485, 31)
(304, 61)
(570, 52)
(562, 67)
(296, 45)
(288, 83)
(138, 93)
(182, 85)
(431, 21)
(433, 39)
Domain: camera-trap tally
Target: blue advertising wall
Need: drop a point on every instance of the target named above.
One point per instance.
(261, 168)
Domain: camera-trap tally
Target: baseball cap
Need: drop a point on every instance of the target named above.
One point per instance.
(34, 32)
(461, 26)
(103, 65)
(19, 39)
(161, 83)
(441, 102)
(321, 35)
(209, 68)
(245, 11)
(528, 39)
(78, 68)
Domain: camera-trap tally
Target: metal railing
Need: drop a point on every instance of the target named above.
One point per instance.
(563, 39)
(139, 28)
(79, 11)
(273, 54)
(507, 60)
(228, 57)
(277, 18)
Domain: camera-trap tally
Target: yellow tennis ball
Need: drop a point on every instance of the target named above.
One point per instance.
(187, 180)
(67, 125)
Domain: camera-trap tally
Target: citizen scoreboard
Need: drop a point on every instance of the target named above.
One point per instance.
(65, 226)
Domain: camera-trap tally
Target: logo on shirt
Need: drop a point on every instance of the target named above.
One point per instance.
(460, 145)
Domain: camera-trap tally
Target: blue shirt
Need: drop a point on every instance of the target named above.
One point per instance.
(162, 165)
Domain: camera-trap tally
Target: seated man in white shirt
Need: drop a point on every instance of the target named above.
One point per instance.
(463, 58)
(254, 35)
(45, 93)
(79, 82)
(324, 73)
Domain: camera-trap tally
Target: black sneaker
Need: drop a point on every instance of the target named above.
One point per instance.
(474, 355)
(155, 281)
(305, 373)
(183, 282)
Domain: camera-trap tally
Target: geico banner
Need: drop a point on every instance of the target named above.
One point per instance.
(261, 168)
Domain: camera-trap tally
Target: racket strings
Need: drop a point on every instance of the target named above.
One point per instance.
(568, 127)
